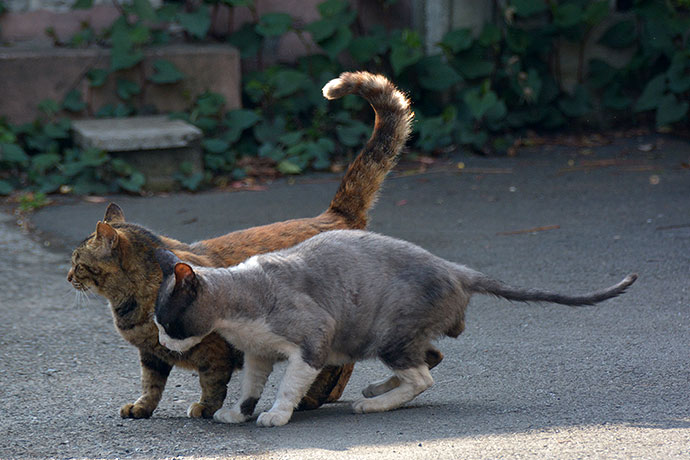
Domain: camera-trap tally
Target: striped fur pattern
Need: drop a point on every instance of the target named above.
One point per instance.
(117, 261)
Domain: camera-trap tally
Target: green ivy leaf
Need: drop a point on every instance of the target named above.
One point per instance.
(614, 99)
(127, 88)
(406, 51)
(436, 75)
(82, 4)
(457, 40)
(196, 23)
(476, 139)
(491, 34)
(291, 138)
(73, 101)
(274, 24)
(57, 130)
(473, 66)
(216, 145)
(189, 181)
(322, 29)
(331, 8)
(288, 82)
(600, 73)
(363, 49)
(6, 188)
(210, 104)
(272, 151)
(133, 183)
(247, 40)
(214, 162)
(144, 10)
(121, 167)
(596, 12)
(353, 133)
(93, 157)
(242, 118)
(620, 35)
(124, 57)
(670, 110)
(289, 167)
(527, 8)
(479, 103)
(319, 153)
(97, 77)
(518, 40)
(165, 72)
(337, 43)
(679, 72)
(13, 153)
(269, 131)
(139, 34)
(44, 161)
(567, 15)
(652, 93)
(576, 105)
(48, 106)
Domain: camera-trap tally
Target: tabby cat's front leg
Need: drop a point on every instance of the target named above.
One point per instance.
(154, 375)
(214, 387)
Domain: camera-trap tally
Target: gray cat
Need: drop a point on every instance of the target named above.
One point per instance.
(339, 297)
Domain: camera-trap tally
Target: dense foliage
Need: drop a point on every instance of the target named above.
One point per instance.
(478, 91)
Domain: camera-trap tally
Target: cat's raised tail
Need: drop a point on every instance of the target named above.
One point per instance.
(360, 186)
(482, 284)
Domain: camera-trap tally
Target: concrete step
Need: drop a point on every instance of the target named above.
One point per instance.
(154, 145)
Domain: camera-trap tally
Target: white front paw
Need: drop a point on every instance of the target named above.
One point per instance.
(225, 415)
(362, 406)
(273, 418)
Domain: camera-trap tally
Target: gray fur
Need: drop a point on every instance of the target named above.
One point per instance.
(345, 295)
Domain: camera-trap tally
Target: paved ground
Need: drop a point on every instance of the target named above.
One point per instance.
(524, 381)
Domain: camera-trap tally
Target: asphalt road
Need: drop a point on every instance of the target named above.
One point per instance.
(523, 381)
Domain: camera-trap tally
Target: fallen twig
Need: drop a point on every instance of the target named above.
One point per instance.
(530, 230)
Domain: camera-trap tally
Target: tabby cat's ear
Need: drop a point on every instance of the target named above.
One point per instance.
(183, 272)
(107, 235)
(114, 214)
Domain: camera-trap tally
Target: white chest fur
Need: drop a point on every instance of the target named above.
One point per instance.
(254, 336)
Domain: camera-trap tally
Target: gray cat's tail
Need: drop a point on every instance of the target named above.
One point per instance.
(482, 284)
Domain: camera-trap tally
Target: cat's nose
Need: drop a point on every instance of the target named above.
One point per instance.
(70, 275)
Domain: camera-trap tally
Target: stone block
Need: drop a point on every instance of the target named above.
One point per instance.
(155, 145)
(32, 74)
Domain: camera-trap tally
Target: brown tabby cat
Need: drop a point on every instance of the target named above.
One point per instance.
(117, 261)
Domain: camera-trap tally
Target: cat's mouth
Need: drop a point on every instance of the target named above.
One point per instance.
(79, 287)
(75, 283)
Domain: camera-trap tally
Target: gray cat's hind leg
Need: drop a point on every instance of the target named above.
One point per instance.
(432, 358)
(297, 379)
(255, 373)
(412, 382)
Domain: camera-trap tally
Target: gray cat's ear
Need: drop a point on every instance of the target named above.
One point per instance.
(167, 260)
(107, 235)
(183, 273)
(114, 214)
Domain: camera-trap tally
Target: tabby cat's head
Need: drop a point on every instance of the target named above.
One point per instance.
(111, 258)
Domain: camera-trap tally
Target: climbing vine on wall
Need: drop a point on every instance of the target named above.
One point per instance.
(480, 91)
